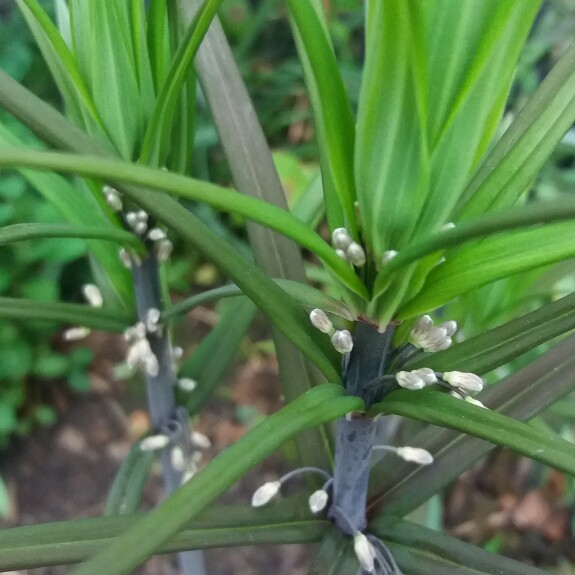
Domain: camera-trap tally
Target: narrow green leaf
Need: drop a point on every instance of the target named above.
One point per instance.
(302, 293)
(216, 196)
(73, 541)
(333, 117)
(422, 551)
(62, 64)
(399, 488)
(22, 232)
(75, 314)
(128, 485)
(160, 124)
(492, 259)
(515, 160)
(489, 224)
(319, 405)
(213, 356)
(55, 129)
(309, 206)
(438, 408)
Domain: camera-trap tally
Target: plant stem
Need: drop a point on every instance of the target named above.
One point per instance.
(164, 413)
(356, 435)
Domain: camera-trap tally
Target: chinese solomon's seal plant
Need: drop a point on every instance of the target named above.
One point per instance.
(419, 246)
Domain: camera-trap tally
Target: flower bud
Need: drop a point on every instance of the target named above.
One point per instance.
(318, 500)
(463, 380)
(177, 458)
(388, 256)
(476, 402)
(76, 333)
(265, 493)
(342, 341)
(427, 374)
(200, 440)
(187, 384)
(164, 249)
(154, 442)
(340, 239)
(156, 234)
(342, 254)
(93, 295)
(320, 321)
(409, 380)
(364, 552)
(152, 319)
(355, 254)
(450, 327)
(415, 454)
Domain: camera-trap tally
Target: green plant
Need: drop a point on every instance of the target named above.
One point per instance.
(424, 205)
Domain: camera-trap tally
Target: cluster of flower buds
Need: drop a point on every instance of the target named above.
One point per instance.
(346, 248)
(138, 221)
(340, 339)
(140, 353)
(417, 378)
(94, 297)
(113, 198)
(432, 338)
(162, 245)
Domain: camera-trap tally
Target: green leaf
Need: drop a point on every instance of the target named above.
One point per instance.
(422, 551)
(492, 259)
(160, 124)
(62, 64)
(75, 314)
(213, 356)
(216, 196)
(399, 487)
(73, 541)
(489, 224)
(320, 405)
(55, 129)
(438, 408)
(496, 347)
(22, 232)
(302, 293)
(333, 117)
(515, 160)
(391, 155)
(128, 485)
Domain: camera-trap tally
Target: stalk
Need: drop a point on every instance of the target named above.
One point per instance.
(164, 413)
(356, 434)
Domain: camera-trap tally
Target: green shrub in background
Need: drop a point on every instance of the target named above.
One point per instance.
(425, 204)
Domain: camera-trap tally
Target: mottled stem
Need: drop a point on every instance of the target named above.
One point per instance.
(164, 413)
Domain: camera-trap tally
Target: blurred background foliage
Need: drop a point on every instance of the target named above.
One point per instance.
(33, 356)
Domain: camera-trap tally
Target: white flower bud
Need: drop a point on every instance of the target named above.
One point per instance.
(364, 552)
(156, 234)
(93, 295)
(125, 258)
(132, 219)
(341, 254)
(152, 319)
(476, 402)
(151, 364)
(355, 254)
(140, 228)
(76, 333)
(427, 374)
(341, 239)
(265, 493)
(142, 216)
(415, 454)
(177, 352)
(342, 341)
(154, 442)
(388, 256)
(164, 249)
(450, 327)
(187, 384)
(318, 500)
(463, 380)
(200, 440)
(135, 332)
(113, 198)
(177, 458)
(409, 380)
(320, 321)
